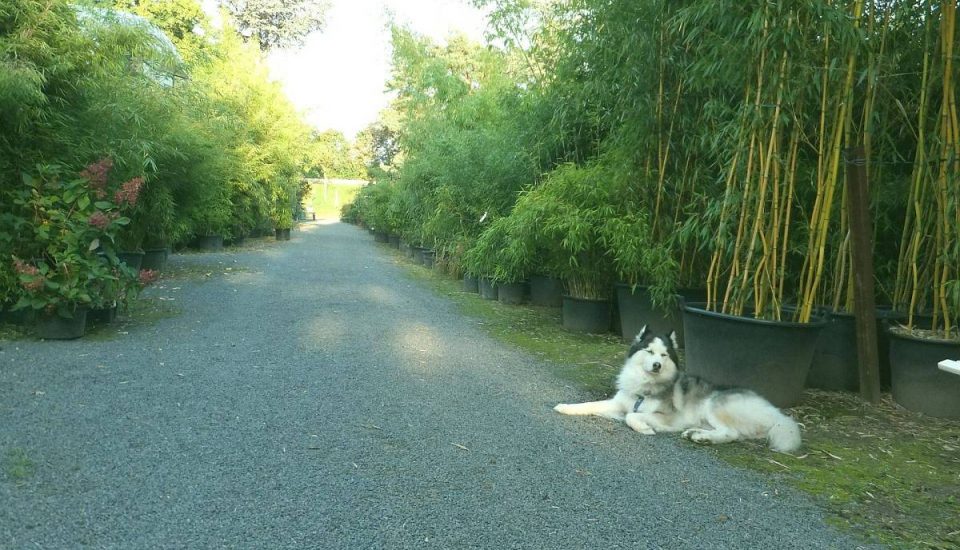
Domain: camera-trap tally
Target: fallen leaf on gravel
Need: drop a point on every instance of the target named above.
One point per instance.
(459, 446)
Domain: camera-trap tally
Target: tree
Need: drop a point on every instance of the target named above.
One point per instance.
(183, 21)
(335, 157)
(277, 23)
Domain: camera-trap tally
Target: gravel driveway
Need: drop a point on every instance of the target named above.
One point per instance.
(315, 397)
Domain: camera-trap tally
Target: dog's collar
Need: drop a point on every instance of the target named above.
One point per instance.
(636, 406)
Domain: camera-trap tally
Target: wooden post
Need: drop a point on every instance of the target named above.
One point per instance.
(861, 244)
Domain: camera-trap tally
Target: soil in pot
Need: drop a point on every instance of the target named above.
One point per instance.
(488, 290)
(546, 291)
(769, 357)
(586, 315)
(470, 284)
(51, 326)
(512, 293)
(917, 383)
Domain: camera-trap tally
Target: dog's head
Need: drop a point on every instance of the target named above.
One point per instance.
(655, 356)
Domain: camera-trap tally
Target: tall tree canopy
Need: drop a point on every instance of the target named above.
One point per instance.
(278, 23)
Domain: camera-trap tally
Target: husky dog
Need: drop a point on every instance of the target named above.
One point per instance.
(653, 395)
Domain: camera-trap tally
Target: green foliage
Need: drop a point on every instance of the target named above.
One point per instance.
(500, 253)
(193, 113)
(333, 156)
(64, 255)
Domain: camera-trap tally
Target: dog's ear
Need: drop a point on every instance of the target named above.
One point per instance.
(638, 342)
(673, 339)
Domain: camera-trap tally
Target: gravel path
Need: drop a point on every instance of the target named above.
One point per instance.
(314, 397)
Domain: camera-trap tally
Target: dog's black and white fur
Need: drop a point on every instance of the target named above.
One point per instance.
(653, 395)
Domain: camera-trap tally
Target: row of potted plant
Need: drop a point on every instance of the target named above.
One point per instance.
(716, 163)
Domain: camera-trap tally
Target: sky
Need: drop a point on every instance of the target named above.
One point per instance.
(337, 78)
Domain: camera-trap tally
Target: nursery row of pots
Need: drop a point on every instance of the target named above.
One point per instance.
(778, 359)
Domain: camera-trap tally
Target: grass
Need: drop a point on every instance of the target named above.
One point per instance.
(17, 465)
(882, 473)
(328, 198)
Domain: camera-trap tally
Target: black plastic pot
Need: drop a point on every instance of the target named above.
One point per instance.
(54, 327)
(769, 357)
(209, 242)
(488, 290)
(886, 318)
(154, 259)
(282, 234)
(584, 315)
(546, 291)
(917, 383)
(102, 316)
(381, 236)
(131, 259)
(512, 293)
(637, 310)
(429, 258)
(394, 241)
(20, 317)
(418, 255)
(470, 284)
(835, 365)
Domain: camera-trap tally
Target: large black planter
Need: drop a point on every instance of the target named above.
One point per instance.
(209, 242)
(835, 365)
(637, 310)
(381, 236)
(281, 234)
(583, 315)
(488, 290)
(769, 357)
(546, 291)
(394, 241)
(470, 284)
(131, 259)
(917, 383)
(54, 327)
(512, 293)
(154, 259)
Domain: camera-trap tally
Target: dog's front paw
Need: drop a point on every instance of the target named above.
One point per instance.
(697, 436)
(633, 420)
(564, 408)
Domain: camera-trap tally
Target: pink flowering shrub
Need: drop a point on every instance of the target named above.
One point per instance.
(65, 256)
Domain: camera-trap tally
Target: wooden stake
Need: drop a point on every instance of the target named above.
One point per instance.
(861, 234)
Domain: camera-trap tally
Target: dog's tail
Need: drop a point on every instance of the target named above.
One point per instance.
(784, 433)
